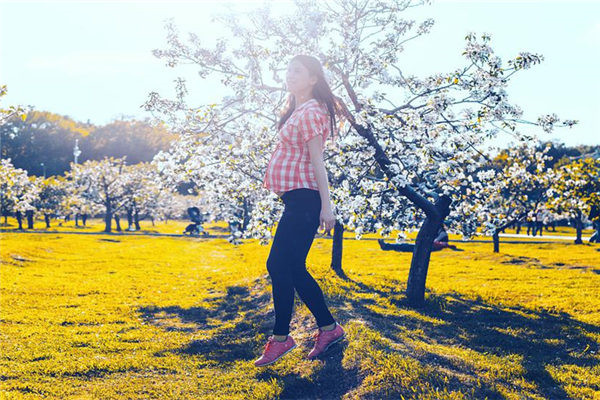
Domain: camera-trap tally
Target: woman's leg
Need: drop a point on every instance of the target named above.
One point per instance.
(280, 273)
(306, 286)
(311, 294)
(287, 260)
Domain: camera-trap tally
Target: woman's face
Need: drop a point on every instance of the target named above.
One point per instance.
(298, 79)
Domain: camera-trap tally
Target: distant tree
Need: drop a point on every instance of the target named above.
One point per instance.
(8, 171)
(165, 204)
(48, 138)
(42, 137)
(19, 192)
(515, 184)
(139, 141)
(557, 151)
(101, 183)
(52, 194)
(177, 205)
(576, 192)
(144, 194)
(76, 203)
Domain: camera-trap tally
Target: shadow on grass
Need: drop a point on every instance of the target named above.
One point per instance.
(541, 338)
(235, 341)
(242, 340)
(331, 381)
(236, 320)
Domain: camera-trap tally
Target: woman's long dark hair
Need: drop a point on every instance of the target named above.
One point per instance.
(321, 92)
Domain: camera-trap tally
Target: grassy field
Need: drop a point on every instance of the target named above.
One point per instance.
(176, 227)
(140, 317)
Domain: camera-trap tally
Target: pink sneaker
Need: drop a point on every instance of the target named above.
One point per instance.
(274, 350)
(324, 339)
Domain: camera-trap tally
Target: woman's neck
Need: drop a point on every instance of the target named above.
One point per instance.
(301, 99)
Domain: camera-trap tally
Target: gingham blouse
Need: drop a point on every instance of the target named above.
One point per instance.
(290, 166)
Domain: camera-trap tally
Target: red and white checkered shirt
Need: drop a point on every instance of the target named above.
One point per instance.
(290, 166)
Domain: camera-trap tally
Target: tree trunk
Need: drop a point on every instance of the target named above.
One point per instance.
(596, 237)
(76, 219)
(417, 276)
(129, 218)
(578, 228)
(496, 239)
(83, 219)
(47, 219)
(29, 214)
(233, 227)
(5, 219)
(436, 212)
(118, 222)
(415, 289)
(107, 218)
(136, 218)
(152, 220)
(518, 230)
(244, 212)
(337, 246)
(19, 219)
(246, 216)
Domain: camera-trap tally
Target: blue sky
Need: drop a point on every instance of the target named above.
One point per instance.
(92, 59)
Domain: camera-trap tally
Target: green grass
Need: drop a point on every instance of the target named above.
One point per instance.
(132, 317)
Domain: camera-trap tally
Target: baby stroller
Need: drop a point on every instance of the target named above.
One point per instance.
(195, 228)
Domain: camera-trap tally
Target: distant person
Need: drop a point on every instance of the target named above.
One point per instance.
(442, 237)
(539, 222)
(530, 223)
(440, 242)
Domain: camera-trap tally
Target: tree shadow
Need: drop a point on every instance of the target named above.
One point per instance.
(539, 337)
(242, 340)
(234, 342)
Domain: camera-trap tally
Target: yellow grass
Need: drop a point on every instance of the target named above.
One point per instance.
(220, 228)
(131, 317)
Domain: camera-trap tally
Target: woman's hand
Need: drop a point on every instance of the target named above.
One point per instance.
(326, 219)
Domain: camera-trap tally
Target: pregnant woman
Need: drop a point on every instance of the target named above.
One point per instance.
(296, 173)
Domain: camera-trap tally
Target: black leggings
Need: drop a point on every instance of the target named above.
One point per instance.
(287, 260)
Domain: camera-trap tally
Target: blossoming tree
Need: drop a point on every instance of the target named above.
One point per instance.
(407, 145)
(51, 197)
(100, 183)
(576, 193)
(19, 192)
(502, 194)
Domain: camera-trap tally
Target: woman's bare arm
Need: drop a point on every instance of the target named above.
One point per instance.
(315, 149)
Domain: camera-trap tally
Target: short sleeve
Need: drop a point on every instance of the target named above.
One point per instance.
(311, 124)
